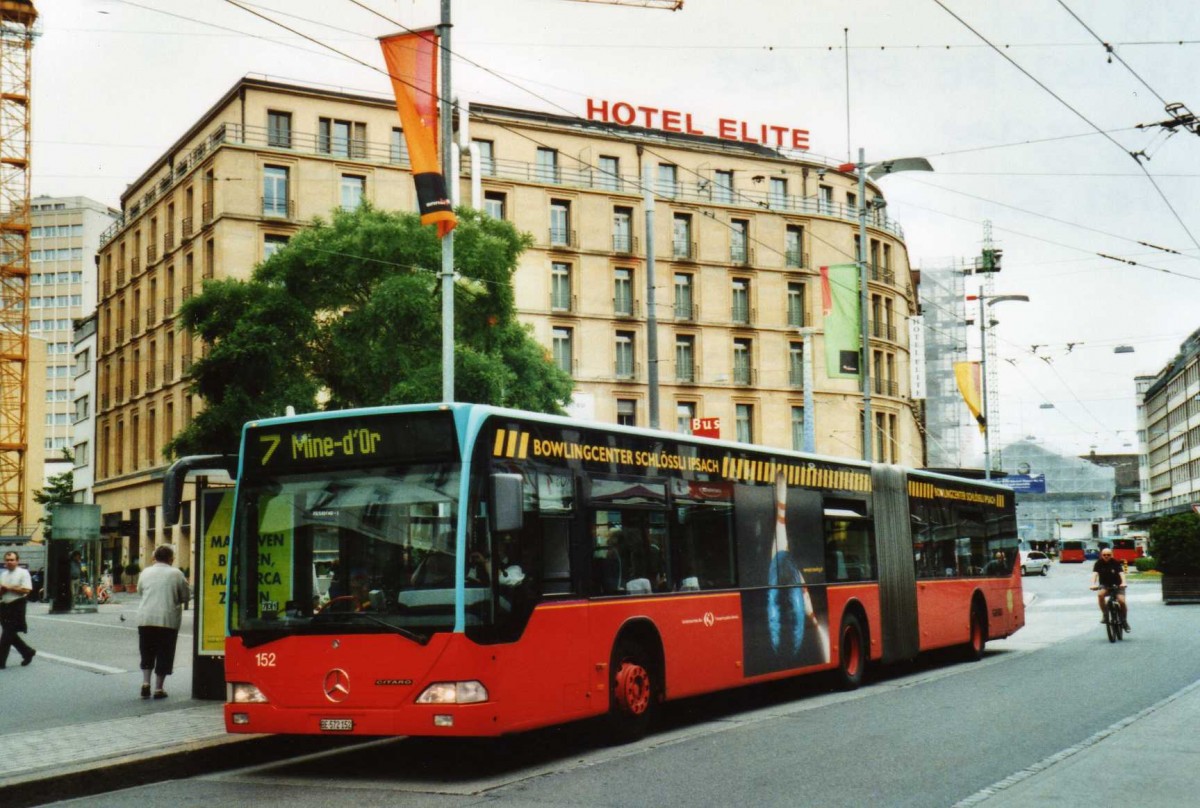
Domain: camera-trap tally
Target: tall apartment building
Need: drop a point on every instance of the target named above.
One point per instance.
(740, 233)
(1169, 432)
(64, 240)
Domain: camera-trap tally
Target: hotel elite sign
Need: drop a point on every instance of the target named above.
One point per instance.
(623, 113)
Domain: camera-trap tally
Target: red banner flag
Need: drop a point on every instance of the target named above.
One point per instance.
(412, 64)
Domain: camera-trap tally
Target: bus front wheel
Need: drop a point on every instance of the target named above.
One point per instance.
(978, 637)
(634, 693)
(852, 653)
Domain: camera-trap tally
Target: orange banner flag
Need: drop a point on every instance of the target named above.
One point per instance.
(412, 65)
(967, 374)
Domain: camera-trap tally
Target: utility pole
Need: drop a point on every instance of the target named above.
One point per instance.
(446, 113)
(651, 314)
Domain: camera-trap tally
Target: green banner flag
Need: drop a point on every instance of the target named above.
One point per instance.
(839, 303)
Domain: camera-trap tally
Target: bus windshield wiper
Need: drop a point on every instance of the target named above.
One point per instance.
(420, 639)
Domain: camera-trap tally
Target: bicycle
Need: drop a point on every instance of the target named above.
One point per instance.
(1114, 621)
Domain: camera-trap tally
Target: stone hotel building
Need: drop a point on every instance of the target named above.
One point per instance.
(740, 231)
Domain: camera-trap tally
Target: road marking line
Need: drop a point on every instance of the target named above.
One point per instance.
(79, 663)
(56, 619)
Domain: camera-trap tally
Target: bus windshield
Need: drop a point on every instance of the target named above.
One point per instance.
(355, 541)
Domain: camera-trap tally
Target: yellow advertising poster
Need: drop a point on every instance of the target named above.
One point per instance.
(218, 512)
(276, 529)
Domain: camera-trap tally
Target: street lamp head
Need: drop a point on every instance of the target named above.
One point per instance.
(994, 299)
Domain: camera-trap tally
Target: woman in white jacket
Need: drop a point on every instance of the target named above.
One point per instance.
(164, 591)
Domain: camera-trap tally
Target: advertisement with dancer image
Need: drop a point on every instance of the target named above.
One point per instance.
(781, 560)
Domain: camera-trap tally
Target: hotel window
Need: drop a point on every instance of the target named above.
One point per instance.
(795, 305)
(739, 241)
(275, 191)
(681, 236)
(826, 197)
(273, 243)
(779, 196)
(798, 428)
(685, 358)
(354, 188)
(742, 362)
(685, 411)
(668, 180)
(626, 412)
(793, 245)
(560, 222)
(494, 204)
(723, 187)
(342, 138)
(624, 366)
(740, 299)
(622, 233)
(623, 291)
(560, 286)
(610, 173)
(796, 364)
(547, 165)
(744, 420)
(561, 345)
(487, 157)
(398, 148)
(684, 305)
(279, 129)
(851, 202)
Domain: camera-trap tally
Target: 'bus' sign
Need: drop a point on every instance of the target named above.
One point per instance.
(706, 427)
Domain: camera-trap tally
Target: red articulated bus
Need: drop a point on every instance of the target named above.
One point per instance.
(462, 570)
(1071, 552)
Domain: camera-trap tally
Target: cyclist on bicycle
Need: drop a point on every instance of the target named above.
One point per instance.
(1106, 572)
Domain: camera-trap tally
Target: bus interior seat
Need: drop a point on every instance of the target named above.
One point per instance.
(690, 584)
(639, 586)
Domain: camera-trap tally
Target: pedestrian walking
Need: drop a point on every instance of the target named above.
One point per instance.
(15, 585)
(164, 591)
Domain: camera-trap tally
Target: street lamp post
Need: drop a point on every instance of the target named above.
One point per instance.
(876, 170)
(986, 300)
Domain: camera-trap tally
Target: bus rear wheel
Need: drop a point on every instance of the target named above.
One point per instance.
(634, 693)
(852, 653)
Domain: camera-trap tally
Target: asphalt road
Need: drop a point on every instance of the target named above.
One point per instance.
(86, 669)
(930, 734)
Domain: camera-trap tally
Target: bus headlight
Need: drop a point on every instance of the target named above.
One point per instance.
(244, 693)
(471, 692)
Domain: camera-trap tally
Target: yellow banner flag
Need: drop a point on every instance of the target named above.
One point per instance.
(968, 378)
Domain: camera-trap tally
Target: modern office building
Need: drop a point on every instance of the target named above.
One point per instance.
(740, 233)
(1169, 432)
(64, 240)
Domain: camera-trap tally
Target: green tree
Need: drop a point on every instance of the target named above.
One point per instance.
(349, 313)
(1175, 544)
(59, 488)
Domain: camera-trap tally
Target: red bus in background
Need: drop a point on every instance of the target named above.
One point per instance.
(462, 570)
(1071, 552)
(1127, 550)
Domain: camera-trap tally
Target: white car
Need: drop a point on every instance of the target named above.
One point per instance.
(1034, 562)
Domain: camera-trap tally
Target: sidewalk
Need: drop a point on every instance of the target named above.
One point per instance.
(1107, 768)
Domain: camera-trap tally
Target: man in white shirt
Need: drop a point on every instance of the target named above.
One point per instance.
(15, 584)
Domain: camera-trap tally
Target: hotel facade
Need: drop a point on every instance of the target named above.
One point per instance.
(740, 231)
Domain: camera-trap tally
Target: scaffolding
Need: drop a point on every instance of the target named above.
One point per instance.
(943, 304)
(17, 19)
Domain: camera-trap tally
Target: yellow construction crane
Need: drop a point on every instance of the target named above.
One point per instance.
(17, 18)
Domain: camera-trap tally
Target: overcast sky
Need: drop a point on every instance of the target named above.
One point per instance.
(1033, 134)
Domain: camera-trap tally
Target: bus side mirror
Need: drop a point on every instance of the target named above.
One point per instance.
(508, 501)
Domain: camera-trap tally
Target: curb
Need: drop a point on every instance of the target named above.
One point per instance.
(183, 760)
